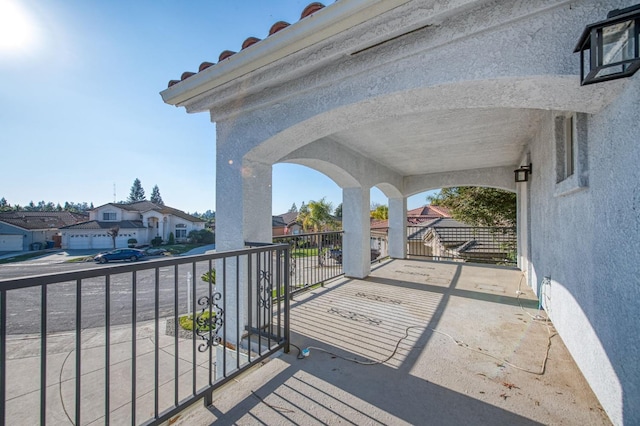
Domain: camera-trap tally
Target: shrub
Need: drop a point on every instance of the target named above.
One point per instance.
(209, 276)
(172, 239)
(203, 236)
(156, 241)
(206, 236)
(194, 236)
(186, 321)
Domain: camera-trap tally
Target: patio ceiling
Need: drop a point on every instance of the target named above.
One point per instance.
(443, 141)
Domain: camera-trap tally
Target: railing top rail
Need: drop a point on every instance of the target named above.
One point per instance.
(510, 228)
(39, 280)
(307, 234)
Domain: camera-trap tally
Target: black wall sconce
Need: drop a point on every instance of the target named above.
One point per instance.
(522, 174)
(609, 49)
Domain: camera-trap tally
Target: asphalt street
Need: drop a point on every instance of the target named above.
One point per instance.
(24, 306)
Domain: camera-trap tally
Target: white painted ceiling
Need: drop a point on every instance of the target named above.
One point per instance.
(443, 141)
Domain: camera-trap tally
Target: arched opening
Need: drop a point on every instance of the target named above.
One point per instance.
(476, 224)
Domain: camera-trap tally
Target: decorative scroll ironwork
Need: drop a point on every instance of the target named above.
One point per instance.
(265, 289)
(208, 323)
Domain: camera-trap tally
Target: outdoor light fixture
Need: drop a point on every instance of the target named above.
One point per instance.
(522, 174)
(609, 49)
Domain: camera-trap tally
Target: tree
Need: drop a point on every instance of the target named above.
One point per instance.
(316, 215)
(137, 193)
(155, 196)
(293, 209)
(478, 206)
(113, 233)
(338, 211)
(380, 212)
(4, 205)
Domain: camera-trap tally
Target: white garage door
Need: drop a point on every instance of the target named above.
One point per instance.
(79, 242)
(102, 241)
(11, 242)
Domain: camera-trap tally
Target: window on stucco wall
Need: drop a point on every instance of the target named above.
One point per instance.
(571, 162)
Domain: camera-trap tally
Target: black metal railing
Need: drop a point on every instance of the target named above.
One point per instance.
(314, 258)
(114, 341)
(495, 245)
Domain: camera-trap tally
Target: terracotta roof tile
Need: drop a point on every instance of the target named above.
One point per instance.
(203, 66)
(278, 26)
(311, 9)
(250, 41)
(225, 54)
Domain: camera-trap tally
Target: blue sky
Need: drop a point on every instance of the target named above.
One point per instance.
(80, 109)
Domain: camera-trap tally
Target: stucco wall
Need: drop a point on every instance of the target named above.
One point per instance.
(587, 245)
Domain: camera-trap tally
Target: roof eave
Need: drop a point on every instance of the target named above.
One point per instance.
(322, 25)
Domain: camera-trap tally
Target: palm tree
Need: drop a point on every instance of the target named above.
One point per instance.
(316, 215)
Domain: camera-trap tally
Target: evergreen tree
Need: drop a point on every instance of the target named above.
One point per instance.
(338, 211)
(155, 196)
(4, 205)
(137, 192)
(293, 209)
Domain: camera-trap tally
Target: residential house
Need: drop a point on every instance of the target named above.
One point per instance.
(447, 238)
(142, 221)
(28, 230)
(286, 224)
(426, 213)
(418, 220)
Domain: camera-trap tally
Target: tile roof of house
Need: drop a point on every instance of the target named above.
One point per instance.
(470, 239)
(94, 224)
(278, 26)
(41, 220)
(145, 206)
(379, 223)
(417, 232)
(277, 221)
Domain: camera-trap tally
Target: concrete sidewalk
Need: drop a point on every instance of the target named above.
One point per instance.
(23, 378)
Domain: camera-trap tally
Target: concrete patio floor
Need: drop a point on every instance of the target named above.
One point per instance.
(468, 352)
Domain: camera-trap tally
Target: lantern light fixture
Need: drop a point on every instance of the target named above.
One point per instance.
(609, 49)
(522, 174)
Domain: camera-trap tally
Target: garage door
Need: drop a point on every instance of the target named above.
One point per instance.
(79, 242)
(11, 242)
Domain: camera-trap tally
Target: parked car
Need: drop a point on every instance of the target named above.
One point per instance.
(157, 251)
(336, 254)
(120, 254)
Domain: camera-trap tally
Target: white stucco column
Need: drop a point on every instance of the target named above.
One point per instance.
(398, 228)
(356, 243)
(243, 213)
(243, 204)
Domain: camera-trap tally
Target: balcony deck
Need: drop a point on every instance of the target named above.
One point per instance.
(463, 324)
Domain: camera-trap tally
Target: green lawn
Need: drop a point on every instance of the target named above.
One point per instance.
(304, 252)
(22, 257)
